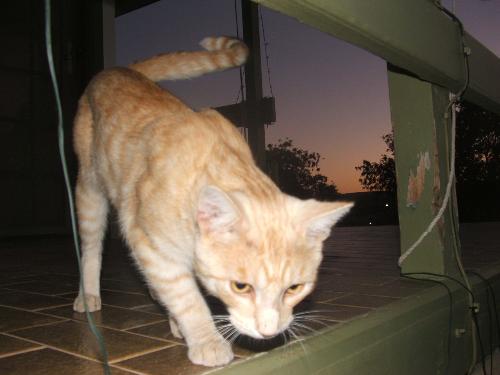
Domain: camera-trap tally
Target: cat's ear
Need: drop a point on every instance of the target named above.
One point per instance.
(216, 211)
(320, 217)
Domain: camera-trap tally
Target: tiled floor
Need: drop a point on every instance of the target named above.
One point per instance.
(40, 333)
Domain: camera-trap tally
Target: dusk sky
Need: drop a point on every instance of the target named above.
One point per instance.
(331, 97)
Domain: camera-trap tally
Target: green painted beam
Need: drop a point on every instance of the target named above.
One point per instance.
(411, 34)
(422, 152)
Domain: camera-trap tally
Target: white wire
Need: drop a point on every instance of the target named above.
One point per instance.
(449, 186)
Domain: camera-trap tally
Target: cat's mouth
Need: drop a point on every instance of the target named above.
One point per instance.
(264, 344)
(252, 332)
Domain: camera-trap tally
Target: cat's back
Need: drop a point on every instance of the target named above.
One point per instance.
(122, 93)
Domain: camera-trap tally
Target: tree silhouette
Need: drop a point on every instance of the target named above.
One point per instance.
(296, 171)
(477, 165)
(381, 175)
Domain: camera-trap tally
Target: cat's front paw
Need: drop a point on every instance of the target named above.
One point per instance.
(213, 352)
(93, 303)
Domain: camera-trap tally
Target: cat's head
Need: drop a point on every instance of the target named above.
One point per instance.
(261, 257)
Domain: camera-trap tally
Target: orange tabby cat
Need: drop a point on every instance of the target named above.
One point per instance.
(192, 204)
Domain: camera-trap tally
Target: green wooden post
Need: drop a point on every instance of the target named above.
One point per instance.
(422, 150)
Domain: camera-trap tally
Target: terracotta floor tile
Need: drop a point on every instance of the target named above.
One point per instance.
(172, 360)
(152, 309)
(109, 316)
(10, 345)
(160, 330)
(124, 299)
(77, 338)
(11, 319)
(51, 362)
(55, 278)
(124, 286)
(30, 301)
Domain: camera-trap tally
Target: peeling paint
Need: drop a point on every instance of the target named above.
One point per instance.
(416, 181)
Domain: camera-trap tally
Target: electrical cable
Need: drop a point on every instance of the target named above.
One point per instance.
(266, 52)
(450, 313)
(473, 309)
(493, 297)
(481, 348)
(60, 133)
(490, 292)
(242, 85)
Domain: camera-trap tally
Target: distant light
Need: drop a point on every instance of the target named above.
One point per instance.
(370, 223)
(387, 204)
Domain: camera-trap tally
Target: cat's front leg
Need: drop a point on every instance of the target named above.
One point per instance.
(191, 319)
(174, 286)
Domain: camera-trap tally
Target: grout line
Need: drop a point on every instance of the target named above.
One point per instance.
(60, 295)
(22, 351)
(51, 307)
(30, 311)
(15, 308)
(156, 338)
(36, 326)
(37, 293)
(128, 369)
(79, 355)
(142, 353)
(125, 292)
(146, 324)
(142, 306)
(63, 351)
(128, 332)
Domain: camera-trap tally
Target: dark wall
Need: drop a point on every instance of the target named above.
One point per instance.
(32, 195)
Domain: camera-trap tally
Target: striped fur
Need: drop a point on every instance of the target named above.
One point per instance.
(191, 204)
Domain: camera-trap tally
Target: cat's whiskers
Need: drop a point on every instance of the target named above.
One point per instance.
(316, 318)
(227, 330)
(308, 312)
(297, 338)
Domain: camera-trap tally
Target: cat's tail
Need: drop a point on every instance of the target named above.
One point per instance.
(221, 53)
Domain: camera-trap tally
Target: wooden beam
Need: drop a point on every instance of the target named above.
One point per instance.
(253, 83)
(422, 153)
(236, 112)
(411, 34)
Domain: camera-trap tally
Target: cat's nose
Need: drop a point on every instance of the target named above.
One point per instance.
(268, 323)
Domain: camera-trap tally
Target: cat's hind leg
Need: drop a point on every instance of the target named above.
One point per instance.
(92, 210)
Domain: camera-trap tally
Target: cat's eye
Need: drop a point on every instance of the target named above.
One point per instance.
(295, 289)
(240, 288)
